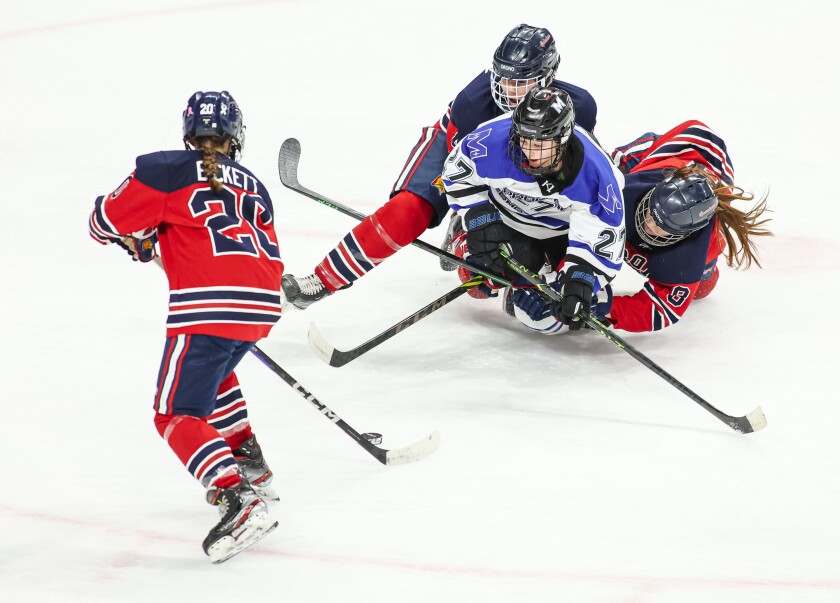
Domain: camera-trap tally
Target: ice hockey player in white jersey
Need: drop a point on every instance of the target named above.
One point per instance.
(534, 180)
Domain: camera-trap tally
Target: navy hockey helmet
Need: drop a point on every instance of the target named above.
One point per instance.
(526, 57)
(541, 126)
(677, 205)
(215, 114)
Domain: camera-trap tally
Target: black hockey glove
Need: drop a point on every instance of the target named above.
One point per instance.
(485, 232)
(575, 284)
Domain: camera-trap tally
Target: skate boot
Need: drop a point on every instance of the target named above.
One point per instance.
(451, 231)
(303, 292)
(244, 521)
(254, 469)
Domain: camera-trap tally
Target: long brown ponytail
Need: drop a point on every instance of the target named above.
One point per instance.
(735, 226)
(208, 146)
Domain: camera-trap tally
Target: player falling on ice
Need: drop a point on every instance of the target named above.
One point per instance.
(526, 57)
(542, 186)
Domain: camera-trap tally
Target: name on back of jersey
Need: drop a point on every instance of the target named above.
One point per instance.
(229, 175)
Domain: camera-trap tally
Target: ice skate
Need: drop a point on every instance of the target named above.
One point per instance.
(453, 228)
(244, 521)
(254, 469)
(303, 292)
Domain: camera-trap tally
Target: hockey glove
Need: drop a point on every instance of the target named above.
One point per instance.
(140, 245)
(575, 284)
(532, 303)
(485, 232)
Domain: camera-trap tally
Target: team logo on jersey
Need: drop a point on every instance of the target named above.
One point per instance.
(610, 201)
(474, 144)
(534, 204)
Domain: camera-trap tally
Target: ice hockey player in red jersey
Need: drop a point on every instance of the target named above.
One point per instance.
(526, 57)
(678, 194)
(214, 223)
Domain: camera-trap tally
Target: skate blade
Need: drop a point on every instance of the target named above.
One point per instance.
(257, 527)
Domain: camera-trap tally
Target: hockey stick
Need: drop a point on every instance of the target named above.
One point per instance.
(287, 166)
(335, 357)
(400, 456)
(754, 421)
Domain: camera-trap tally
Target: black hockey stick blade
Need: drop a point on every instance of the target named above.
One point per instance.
(287, 167)
(753, 421)
(335, 357)
(398, 456)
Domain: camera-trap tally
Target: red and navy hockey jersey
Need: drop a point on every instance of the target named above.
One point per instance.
(674, 272)
(220, 251)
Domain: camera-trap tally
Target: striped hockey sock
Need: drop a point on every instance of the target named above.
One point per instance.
(393, 226)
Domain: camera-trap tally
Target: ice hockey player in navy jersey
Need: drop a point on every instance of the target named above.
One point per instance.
(526, 57)
(678, 193)
(214, 221)
(537, 182)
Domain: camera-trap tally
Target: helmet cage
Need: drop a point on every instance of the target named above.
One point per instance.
(508, 92)
(527, 57)
(679, 206)
(642, 213)
(545, 114)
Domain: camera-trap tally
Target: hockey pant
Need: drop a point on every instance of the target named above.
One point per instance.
(200, 410)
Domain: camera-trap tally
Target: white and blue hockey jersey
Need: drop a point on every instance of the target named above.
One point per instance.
(585, 201)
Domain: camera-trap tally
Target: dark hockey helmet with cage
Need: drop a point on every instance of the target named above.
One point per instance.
(215, 114)
(677, 205)
(527, 56)
(546, 113)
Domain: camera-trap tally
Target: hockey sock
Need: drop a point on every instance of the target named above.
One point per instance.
(379, 236)
(199, 447)
(707, 285)
(230, 415)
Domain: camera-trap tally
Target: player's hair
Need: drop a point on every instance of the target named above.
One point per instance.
(208, 145)
(735, 226)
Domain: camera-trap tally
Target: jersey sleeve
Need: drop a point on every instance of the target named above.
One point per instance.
(673, 278)
(655, 307)
(464, 187)
(132, 207)
(596, 226)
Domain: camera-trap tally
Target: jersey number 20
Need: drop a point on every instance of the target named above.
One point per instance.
(237, 222)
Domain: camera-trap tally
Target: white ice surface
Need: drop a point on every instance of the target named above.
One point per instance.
(567, 471)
